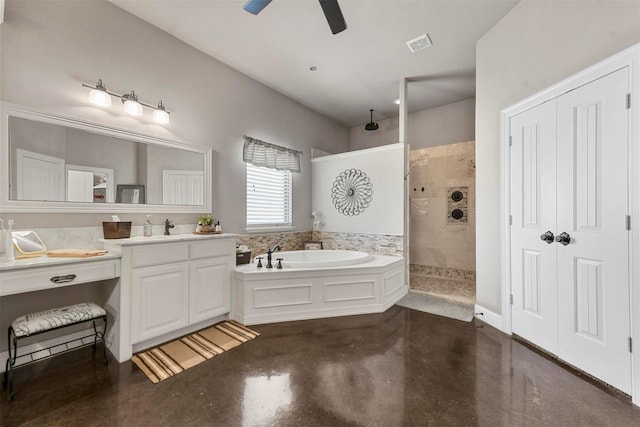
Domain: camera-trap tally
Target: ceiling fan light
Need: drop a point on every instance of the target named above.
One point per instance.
(99, 95)
(160, 114)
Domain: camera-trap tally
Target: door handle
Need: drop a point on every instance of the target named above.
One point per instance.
(563, 238)
(547, 237)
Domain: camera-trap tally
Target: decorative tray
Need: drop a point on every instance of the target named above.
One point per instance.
(207, 232)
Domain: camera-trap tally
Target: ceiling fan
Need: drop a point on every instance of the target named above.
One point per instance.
(331, 10)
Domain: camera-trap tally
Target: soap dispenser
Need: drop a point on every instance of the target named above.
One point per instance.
(147, 227)
(8, 253)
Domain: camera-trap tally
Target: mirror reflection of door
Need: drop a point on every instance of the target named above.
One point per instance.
(89, 184)
(39, 177)
(182, 187)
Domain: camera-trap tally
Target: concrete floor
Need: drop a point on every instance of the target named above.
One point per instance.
(398, 368)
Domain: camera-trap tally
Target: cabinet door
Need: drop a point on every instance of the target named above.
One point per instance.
(209, 288)
(159, 300)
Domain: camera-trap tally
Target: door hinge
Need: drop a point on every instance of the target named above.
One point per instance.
(510, 141)
(627, 222)
(511, 299)
(510, 219)
(630, 340)
(628, 101)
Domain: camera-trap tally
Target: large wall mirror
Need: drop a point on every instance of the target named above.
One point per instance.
(57, 164)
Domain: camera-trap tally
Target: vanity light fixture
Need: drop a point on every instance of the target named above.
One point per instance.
(160, 115)
(99, 95)
(131, 104)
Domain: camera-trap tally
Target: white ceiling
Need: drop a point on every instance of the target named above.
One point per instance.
(357, 69)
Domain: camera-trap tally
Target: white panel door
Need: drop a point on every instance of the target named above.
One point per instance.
(39, 177)
(533, 209)
(593, 200)
(182, 187)
(79, 186)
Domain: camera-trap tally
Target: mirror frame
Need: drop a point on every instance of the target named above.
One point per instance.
(10, 110)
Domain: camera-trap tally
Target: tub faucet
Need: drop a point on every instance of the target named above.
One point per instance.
(269, 252)
(167, 225)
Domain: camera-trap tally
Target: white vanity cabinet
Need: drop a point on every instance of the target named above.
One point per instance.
(177, 283)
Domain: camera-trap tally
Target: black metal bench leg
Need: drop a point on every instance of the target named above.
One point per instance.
(8, 373)
(95, 336)
(104, 340)
(5, 377)
(102, 335)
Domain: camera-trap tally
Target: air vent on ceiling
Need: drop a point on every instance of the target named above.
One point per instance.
(419, 43)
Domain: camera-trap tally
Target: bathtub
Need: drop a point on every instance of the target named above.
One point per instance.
(322, 258)
(316, 284)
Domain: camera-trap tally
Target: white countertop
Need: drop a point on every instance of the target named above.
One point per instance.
(140, 240)
(46, 261)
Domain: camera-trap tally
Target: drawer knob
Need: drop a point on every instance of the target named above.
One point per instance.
(63, 279)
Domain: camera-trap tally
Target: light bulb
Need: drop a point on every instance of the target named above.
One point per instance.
(99, 95)
(160, 115)
(131, 104)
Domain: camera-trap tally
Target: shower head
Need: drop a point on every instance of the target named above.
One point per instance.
(371, 125)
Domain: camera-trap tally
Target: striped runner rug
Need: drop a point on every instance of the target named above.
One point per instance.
(169, 359)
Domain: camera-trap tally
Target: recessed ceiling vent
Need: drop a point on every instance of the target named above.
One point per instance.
(419, 43)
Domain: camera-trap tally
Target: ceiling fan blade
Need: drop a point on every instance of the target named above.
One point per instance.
(254, 7)
(332, 12)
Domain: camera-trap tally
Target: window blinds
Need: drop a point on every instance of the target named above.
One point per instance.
(268, 196)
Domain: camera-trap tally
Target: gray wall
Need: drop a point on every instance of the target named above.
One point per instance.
(448, 124)
(49, 48)
(536, 45)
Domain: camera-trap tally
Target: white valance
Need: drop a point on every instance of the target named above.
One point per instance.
(264, 154)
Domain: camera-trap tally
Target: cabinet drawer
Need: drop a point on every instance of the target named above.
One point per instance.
(34, 279)
(212, 248)
(158, 254)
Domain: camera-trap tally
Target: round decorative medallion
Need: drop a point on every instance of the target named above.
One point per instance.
(351, 192)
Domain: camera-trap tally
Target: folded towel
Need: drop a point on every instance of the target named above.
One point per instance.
(75, 253)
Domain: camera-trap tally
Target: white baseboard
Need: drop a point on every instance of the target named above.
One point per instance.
(488, 317)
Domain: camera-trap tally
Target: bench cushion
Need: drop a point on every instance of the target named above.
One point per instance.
(45, 320)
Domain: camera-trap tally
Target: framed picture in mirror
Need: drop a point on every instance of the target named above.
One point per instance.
(132, 194)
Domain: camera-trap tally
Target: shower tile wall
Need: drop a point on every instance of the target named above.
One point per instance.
(438, 246)
(379, 244)
(371, 243)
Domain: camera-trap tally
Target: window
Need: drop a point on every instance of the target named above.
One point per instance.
(268, 197)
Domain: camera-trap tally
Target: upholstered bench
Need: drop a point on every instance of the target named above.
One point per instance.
(49, 320)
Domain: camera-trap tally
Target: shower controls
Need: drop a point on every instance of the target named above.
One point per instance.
(547, 237)
(458, 205)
